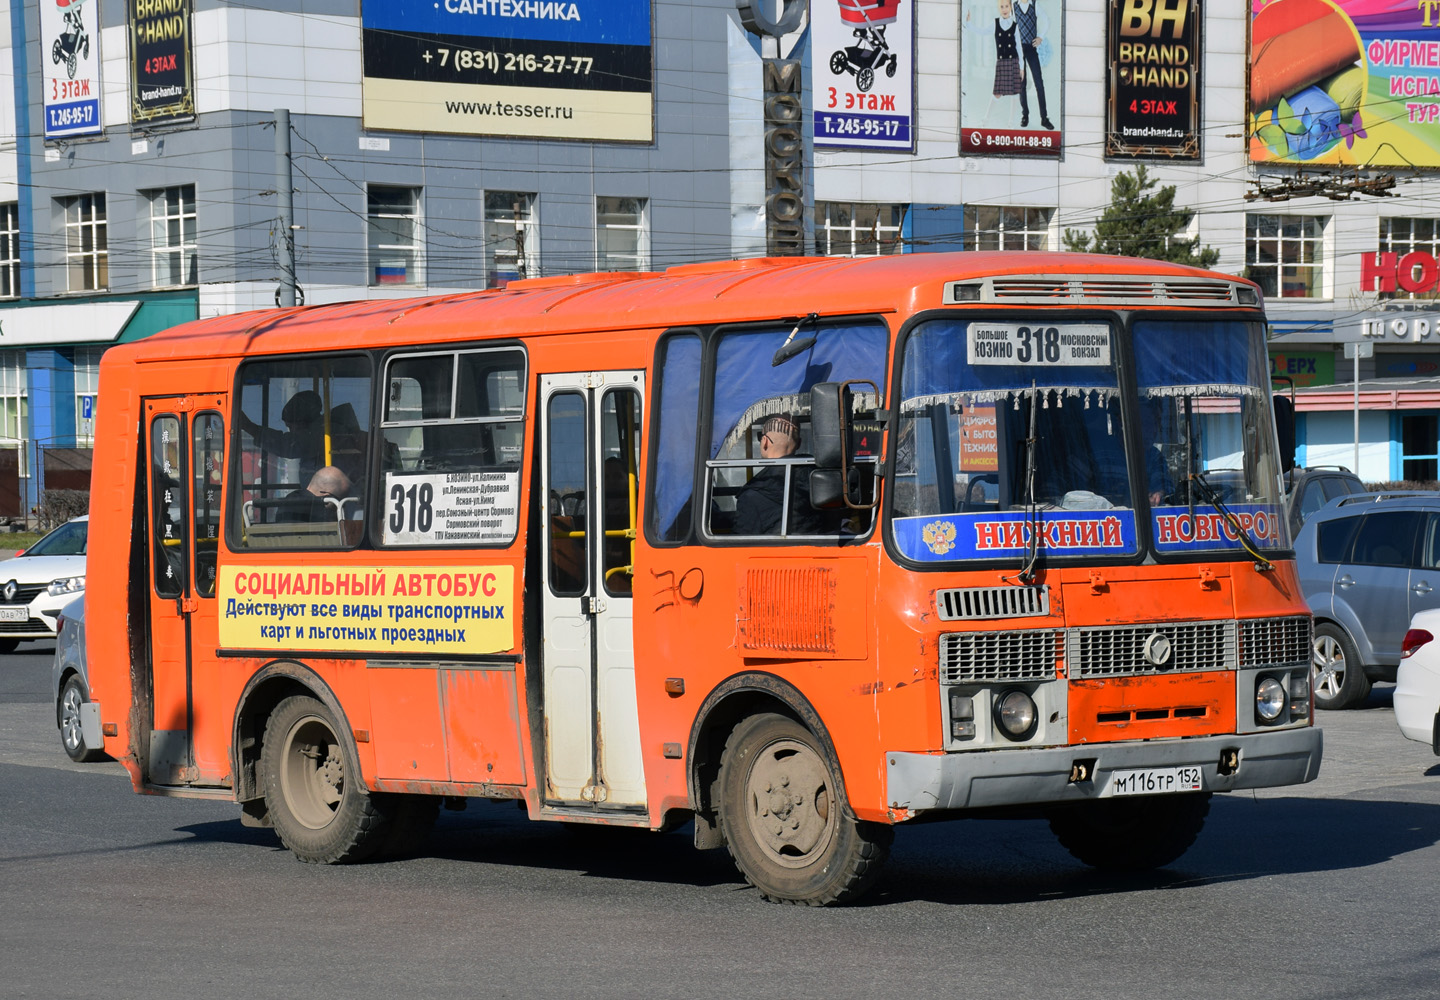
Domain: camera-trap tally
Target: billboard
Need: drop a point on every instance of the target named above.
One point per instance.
(1012, 83)
(1152, 80)
(553, 69)
(1345, 83)
(865, 74)
(161, 80)
(70, 67)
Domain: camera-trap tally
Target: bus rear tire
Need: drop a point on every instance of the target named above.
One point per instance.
(1131, 834)
(318, 806)
(786, 823)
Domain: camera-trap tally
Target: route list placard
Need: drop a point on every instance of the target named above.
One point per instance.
(451, 508)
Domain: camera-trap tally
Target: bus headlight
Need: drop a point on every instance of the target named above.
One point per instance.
(1270, 699)
(1016, 715)
(69, 585)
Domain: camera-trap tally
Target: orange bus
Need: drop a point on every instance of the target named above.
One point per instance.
(797, 549)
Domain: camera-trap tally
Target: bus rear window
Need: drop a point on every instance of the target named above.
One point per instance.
(453, 440)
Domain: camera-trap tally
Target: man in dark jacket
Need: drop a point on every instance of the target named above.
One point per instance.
(760, 503)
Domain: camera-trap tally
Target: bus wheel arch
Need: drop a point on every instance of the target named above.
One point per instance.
(266, 689)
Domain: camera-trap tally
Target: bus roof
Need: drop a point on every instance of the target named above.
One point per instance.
(689, 294)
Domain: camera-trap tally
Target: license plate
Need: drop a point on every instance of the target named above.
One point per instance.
(1156, 781)
(14, 614)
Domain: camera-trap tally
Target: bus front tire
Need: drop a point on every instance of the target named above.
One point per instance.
(1131, 834)
(318, 806)
(785, 820)
(1336, 673)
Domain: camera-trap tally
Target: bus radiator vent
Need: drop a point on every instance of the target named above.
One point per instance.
(978, 603)
(789, 610)
(1266, 642)
(1001, 657)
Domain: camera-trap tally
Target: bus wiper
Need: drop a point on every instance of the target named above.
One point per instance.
(1032, 514)
(1210, 494)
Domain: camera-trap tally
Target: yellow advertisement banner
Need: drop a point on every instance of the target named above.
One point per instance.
(396, 609)
(471, 109)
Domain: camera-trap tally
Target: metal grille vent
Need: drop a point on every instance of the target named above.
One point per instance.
(987, 657)
(789, 610)
(977, 603)
(1266, 641)
(1120, 651)
(25, 594)
(1048, 288)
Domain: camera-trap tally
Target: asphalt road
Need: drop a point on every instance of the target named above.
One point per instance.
(1325, 891)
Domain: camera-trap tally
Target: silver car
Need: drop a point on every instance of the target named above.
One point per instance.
(77, 716)
(1367, 564)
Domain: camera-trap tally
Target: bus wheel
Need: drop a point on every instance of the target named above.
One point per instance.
(786, 824)
(312, 788)
(1131, 834)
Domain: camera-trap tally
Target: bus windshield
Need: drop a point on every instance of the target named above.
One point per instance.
(1011, 439)
(1206, 434)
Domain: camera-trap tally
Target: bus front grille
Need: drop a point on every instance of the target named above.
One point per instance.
(989, 657)
(1152, 648)
(978, 603)
(1272, 641)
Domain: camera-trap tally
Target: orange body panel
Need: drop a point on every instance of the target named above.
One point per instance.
(860, 646)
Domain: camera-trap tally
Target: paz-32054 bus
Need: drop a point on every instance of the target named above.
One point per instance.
(800, 550)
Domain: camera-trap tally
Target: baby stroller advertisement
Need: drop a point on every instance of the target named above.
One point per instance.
(1012, 81)
(864, 57)
(70, 67)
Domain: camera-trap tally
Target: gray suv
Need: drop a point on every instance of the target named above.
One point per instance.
(1367, 562)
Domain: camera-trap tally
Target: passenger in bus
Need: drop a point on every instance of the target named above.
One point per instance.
(304, 436)
(312, 504)
(760, 502)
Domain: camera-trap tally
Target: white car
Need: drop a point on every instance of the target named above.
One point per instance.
(1417, 683)
(41, 580)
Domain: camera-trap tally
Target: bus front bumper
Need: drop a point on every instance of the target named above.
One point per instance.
(923, 782)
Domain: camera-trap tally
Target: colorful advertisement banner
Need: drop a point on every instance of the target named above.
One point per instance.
(70, 67)
(1012, 83)
(1303, 367)
(161, 80)
(1005, 534)
(865, 74)
(394, 609)
(1353, 82)
(1179, 529)
(556, 69)
(1152, 83)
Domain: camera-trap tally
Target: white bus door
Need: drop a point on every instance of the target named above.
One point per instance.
(590, 442)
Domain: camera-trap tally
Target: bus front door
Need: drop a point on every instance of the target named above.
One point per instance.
(590, 439)
(185, 445)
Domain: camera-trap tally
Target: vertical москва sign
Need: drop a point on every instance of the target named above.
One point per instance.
(550, 69)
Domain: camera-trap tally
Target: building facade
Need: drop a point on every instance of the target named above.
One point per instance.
(461, 145)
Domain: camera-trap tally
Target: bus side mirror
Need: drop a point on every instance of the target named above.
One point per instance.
(1285, 431)
(838, 439)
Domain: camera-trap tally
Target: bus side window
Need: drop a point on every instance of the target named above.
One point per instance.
(453, 437)
(300, 468)
(672, 481)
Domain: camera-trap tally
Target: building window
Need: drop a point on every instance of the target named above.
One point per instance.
(172, 236)
(396, 254)
(512, 249)
(990, 227)
(1420, 447)
(622, 234)
(9, 250)
(87, 385)
(87, 248)
(1285, 255)
(848, 229)
(15, 407)
(1402, 236)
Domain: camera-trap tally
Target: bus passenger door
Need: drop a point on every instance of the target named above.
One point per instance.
(590, 441)
(185, 442)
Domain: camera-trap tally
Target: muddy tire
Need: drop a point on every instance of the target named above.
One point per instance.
(319, 807)
(1131, 834)
(786, 821)
(1336, 674)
